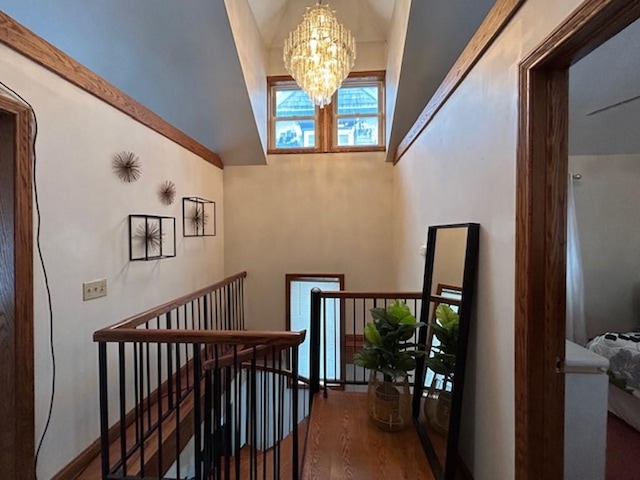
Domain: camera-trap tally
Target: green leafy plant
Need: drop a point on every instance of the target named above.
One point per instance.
(445, 328)
(387, 348)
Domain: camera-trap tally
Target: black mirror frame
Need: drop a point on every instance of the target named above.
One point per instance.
(468, 294)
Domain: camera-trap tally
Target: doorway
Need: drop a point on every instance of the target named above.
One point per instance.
(16, 292)
(542, 176)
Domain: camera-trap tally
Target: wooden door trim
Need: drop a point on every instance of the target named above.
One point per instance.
(542, 175)
(23, 316)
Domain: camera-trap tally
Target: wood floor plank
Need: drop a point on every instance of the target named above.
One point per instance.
(344, 445)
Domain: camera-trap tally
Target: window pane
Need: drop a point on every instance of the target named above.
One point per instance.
(353, 132)
(293, 103)
(300, 308)
(295, 134)
(358, 100)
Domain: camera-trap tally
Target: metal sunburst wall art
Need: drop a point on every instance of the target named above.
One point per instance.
(151, 237)
(167, 192)
(127, 166)
(198, 217)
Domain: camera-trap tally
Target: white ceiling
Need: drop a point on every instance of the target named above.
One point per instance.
(368, 20)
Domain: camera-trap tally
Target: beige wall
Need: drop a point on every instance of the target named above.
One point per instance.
(461, 169)
(84, 237)
(607, 199)
(307, 214)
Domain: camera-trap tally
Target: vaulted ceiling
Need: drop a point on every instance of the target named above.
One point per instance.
(182, 60)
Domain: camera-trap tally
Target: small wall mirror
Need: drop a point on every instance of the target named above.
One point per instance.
(447, 299)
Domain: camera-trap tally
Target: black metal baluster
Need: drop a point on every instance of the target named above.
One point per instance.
(281, 406)
(228, 423)
(217, 310)
(197, 310)
(242, 325)
(238, 408)
(104, 407)
(353, 339)
(217, 415)
(171, 380)
(159, 408)
(148, 397)
(227, 309)
(338, 335)
(123, 412)
(253, 417)
(177, 406)
(136, 399)
(275, 407)
(208, 432)
(265, 416)
(324, 345)
(314, 343)
(197, 415)
(294, 407)
(141, 397)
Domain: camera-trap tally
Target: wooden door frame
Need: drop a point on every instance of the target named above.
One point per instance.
(23, 396)
(541, 186)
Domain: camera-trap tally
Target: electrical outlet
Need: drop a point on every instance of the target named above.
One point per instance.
(95, 289)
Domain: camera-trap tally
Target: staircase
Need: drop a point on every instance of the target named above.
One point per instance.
(186, 392)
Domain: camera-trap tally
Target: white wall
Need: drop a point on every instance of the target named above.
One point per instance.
(307, 214)
(462, 168)
(607, 199)
(84, 237)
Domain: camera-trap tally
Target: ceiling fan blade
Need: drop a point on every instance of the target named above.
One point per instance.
(614, 105)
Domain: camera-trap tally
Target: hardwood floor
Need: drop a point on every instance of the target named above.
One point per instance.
(342, 444)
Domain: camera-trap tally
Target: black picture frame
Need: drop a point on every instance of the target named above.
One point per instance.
(151, 237)
(198, 217)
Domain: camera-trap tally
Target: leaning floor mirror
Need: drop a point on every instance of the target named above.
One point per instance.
(447, 301)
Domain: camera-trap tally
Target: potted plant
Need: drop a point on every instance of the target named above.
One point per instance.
(442, 361)
(390, 356)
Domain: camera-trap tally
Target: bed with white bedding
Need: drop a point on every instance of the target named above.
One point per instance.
(623, 352)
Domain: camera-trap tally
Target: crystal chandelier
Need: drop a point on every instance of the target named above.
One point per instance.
(319, 54)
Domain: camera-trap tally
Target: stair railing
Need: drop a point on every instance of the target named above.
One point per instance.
(194, 398)
(337, 323)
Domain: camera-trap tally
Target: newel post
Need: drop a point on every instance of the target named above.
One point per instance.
(314, 347)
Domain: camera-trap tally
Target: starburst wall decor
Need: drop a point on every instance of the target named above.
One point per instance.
(198, 217)
(167, 192)
(127, 166)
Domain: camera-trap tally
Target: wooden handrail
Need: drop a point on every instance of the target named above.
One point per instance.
(139, 319)
(204, 337)
(373, 295)
(388, 296)
(447, 300)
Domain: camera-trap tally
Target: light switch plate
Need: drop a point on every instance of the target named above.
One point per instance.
(94, 289)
